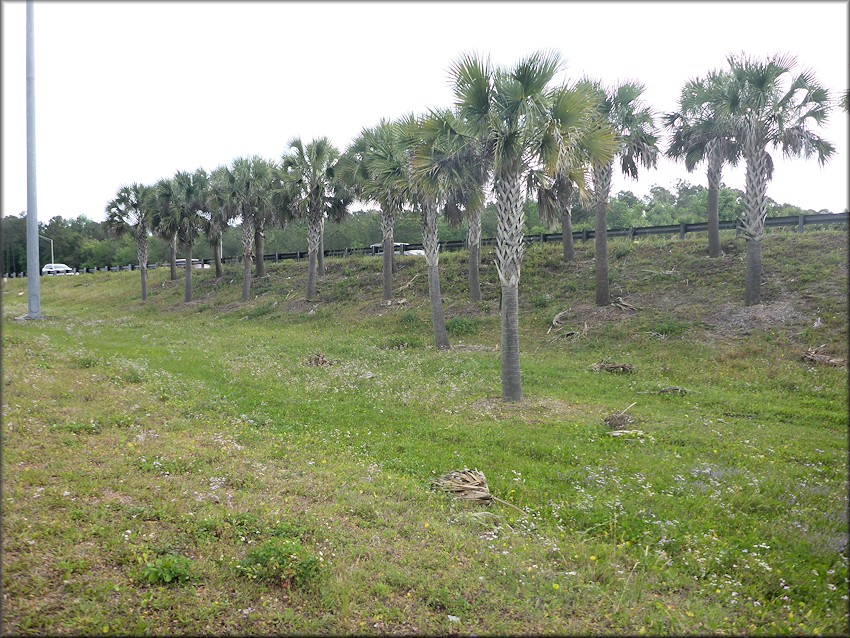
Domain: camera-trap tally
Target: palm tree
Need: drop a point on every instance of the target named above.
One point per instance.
(699, 134)
(164, 221)
(514, 107)
(221, 211)
(472, 147)
(250, 181)
(312, 192)
(767, 105)
(574, 108)
(372, 167)
(130, 212)
(633, 125)
(191, 196)
(438, 172)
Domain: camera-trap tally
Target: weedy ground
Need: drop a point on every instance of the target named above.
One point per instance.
(260, 468)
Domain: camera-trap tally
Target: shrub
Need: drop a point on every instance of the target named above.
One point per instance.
(168, 569)
(281, 561)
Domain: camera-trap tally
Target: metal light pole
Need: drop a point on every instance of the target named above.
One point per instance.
(33, 280)
(52, 262)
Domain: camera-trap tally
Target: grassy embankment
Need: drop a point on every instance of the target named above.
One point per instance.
(149, 450)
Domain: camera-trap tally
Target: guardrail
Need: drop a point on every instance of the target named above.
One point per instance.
(798, 221)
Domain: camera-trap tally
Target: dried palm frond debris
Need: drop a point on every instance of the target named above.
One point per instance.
(627, 433)
(816, 355)
(608, 366)
(619, 419)
(469, 485)
(318, 359)
(672, 389)
(620, 303)
(558, 321)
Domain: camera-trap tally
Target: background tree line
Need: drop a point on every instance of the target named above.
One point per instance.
(84, 243)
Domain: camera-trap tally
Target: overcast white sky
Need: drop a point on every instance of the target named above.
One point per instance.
(136, 91)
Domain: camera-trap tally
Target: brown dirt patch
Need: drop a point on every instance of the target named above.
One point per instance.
(730, 319)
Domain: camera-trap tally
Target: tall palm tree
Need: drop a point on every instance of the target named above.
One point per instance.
(191, 196)
(439, 171)
(164, 221)
(699, 134)
(221, 211)
(634, 127)
(472, 149)
(130, 212)
(372, 167)
(250, 180)
(574, 108)
(768, 105)
(514, 107)
(313, 192)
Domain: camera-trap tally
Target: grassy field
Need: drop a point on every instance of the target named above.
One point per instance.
(267, 467)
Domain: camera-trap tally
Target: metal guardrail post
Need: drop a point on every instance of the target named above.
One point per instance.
(584, 236)
(800, 223)
(683, 228)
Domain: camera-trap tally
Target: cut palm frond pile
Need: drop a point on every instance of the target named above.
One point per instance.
(619, 419)
(607, 366)
(469, 485)
(623, 305)
(816, 355)
(318, 359)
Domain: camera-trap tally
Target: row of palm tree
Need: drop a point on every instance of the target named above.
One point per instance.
(511, 132)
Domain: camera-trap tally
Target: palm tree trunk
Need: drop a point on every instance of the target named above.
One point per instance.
(219, 271)
(509, 252)
(247, 246)
(755, 206)
(142, 250)
(174, 257)
(567, 236)
(752, 289)
(473, 240)
(187, 290)
(313, 241)
(567, 221)
(260, 245)
(715, 167)
(144, 273)
(387, 221)
(511, 379)
(602, 186)
(320, 254)
(432, 259)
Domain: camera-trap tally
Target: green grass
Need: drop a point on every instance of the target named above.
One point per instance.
(157, 457)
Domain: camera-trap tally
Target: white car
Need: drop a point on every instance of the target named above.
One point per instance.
(56, 269)
(399, 248)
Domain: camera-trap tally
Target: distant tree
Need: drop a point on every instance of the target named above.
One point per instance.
(191, 192)
(311, 191)
(633, 124)
(251, 181)
(130, 212)
(372, 167)
(165, 220)
(221, 210)
(766, 105)
(700, 133)
(441, 175)
(573, 109)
